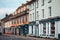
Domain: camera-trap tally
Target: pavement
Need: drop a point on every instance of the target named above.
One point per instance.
(17, 37)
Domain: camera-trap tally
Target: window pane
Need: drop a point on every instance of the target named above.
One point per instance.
(42, 2)
(50, 11)
(43, 12)
(49, 1)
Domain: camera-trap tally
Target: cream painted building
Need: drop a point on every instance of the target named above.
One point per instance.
(34, 18)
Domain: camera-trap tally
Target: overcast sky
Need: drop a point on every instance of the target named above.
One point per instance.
(9, 6)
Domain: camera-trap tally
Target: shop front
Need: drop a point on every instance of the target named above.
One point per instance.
(49, 27)
(24, 29)
(17, 30)
(32, 28)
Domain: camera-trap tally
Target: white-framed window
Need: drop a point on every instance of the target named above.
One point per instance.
(43, 13)
(44, 29)
(37, 4)
(30, 17)
(33, 15)
(42, 2)
(50, 11)
(21, 19)
(18, 10)
(33, 5)
(49, 1)
(14, 21)
(37, 15)
(52, 29)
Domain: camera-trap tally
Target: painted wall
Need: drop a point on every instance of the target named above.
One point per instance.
(55, 4)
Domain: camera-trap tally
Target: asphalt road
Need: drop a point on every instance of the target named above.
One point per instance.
(6, 37)
(12, 37)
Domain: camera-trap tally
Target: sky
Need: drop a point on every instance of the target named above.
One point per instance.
(9, 6)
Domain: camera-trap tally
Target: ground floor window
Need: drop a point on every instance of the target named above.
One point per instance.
(44, 29)
(32, 29)
(52, 28)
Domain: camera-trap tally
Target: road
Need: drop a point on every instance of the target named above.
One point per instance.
(12, 37)
(6, 37)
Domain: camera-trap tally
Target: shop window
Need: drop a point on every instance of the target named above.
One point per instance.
(52, 28)
(44, 29)
(32, 29)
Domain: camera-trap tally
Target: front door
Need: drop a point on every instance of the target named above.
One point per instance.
(36, 30)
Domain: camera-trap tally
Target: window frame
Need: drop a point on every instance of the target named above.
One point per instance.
(43, 12)
(42, 2)
(50, 12)
(49, 1)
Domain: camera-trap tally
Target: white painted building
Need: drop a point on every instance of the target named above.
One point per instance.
(44, 18)
(34, 18)
(49, 17)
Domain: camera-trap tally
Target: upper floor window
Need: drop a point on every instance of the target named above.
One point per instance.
(37, 3)
(50, 11)
(33, 5)
(50, 1)
(17, 21)
(14, 21)
(42, 2)
(37, 15)
(24, 8)
(33, 15)
(19, 11)
(26, 18)
(43, 12)
(22, 18)
(30, 7)
(30, 16)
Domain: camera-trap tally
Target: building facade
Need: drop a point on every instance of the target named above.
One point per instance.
(20, 20)
(40, 18)
(6, 24)
(34, 18)
(44, 18)
(49, 17)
